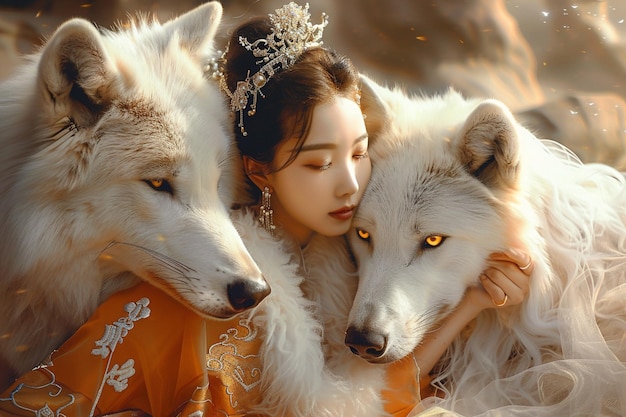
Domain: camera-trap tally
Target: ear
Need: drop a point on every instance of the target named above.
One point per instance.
(489, 146)
(256, 171)
(76, 73)
(374, 106)
(196, 28)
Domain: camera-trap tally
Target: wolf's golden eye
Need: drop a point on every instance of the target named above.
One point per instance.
(433, 241)
(160, 184)
(363, 234)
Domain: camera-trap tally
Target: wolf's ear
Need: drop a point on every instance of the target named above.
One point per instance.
(489, 146)
(196, 28)
(76, 73)
(374, 106)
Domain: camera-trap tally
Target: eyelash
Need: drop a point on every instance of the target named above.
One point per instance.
(324, 167)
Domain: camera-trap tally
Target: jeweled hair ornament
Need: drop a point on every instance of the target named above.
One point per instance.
(291, 35)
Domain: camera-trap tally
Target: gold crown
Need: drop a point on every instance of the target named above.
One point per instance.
(291, 34)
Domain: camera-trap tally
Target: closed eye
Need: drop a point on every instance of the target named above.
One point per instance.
(322, 167)
(160, 184)
(363, 155)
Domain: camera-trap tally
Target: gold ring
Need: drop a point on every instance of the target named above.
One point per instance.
(525, 267)
(506, 298)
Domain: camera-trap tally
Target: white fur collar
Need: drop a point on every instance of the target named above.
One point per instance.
(299, 330)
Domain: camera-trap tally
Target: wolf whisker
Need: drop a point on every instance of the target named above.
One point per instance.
(169, 262)
(424, 322)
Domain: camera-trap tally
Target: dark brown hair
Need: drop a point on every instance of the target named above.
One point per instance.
(290, 95)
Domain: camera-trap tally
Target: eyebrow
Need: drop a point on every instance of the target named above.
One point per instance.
(330, 145)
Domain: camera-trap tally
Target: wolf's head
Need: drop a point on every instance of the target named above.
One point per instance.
(117, 159)
(445, 171)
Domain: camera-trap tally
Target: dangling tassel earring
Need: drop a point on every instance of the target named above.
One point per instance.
(266, 214)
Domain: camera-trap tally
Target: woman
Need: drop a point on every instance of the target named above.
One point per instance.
(301, 134)
(303, 142)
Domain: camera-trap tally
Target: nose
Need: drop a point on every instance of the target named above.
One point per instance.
(368, 345)
(245, 294)
(349, 183)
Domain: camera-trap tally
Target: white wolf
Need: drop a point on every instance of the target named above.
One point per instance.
(454, 180)
(113, 146)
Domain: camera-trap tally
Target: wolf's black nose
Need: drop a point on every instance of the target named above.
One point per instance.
(245, 294)
(367, 345)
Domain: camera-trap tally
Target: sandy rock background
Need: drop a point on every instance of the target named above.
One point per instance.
(560, 65)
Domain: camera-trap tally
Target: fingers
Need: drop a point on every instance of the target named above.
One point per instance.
(498, 297)
(506, 285)
(507, 279)
(523, 260)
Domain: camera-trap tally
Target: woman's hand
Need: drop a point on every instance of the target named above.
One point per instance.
(505, 282)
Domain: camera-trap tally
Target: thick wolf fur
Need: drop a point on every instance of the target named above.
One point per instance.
(86, 126)
(466, 170)
(307, 370)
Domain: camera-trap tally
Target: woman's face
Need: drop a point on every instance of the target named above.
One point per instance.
(319, 191)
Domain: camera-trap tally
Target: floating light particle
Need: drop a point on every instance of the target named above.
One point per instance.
(105, 257)
(421, 38)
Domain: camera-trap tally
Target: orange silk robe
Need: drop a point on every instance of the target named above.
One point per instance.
(144, 353)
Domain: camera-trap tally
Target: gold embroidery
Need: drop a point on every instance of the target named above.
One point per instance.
(39, 394)
(236, 361)
(200, 401)
(43, 397)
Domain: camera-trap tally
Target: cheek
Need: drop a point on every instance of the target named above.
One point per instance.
(293, 185)
(363, 174)
(299, 196)
(367, 172)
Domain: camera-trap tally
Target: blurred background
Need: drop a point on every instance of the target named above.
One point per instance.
(560, 65)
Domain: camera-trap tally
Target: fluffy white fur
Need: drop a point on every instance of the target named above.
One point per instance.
(307, 370)
(466, 170)
(86, 125)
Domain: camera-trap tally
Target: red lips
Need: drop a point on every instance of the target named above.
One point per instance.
(343, 214)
